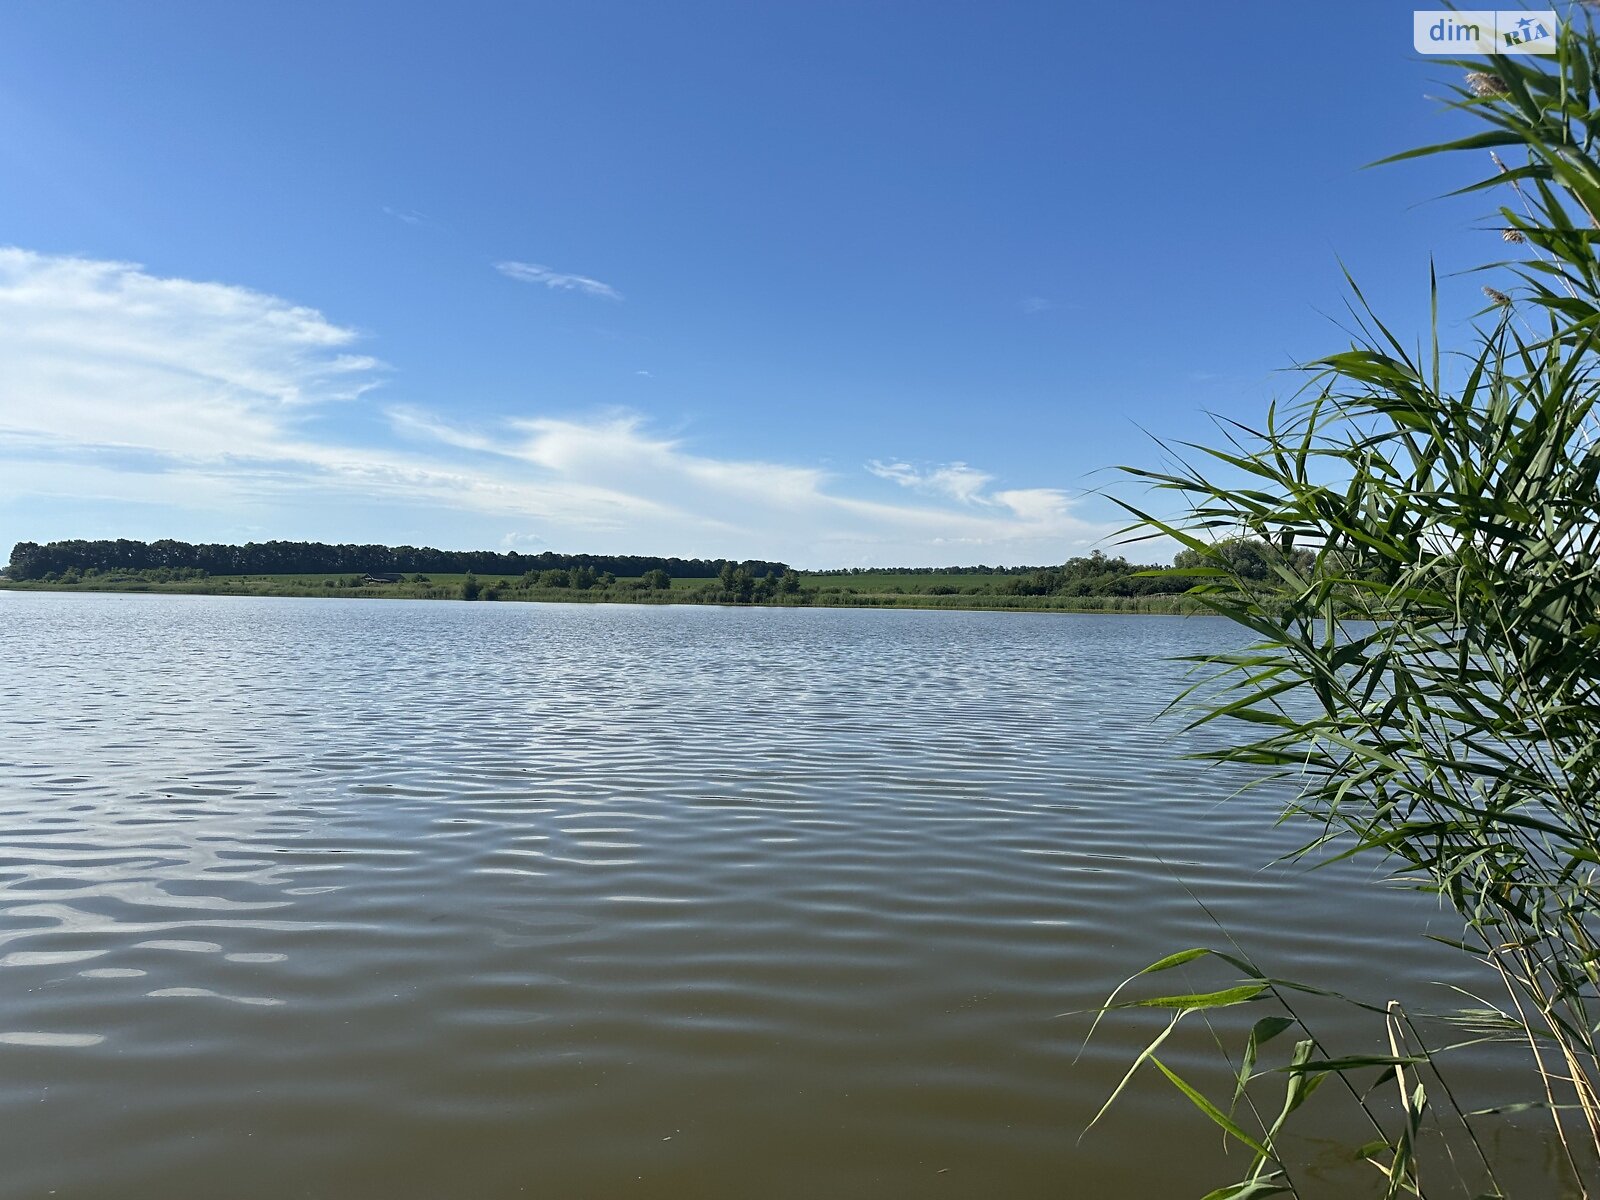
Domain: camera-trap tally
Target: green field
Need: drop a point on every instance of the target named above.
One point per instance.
(909, 583)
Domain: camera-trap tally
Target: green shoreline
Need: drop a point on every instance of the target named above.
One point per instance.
(808, 597)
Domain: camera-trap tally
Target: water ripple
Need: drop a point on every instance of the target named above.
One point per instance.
(412, 899)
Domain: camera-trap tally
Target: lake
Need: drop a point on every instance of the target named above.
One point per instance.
(330, 898)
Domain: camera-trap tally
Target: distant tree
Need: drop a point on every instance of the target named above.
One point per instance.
(1245, 558)
(554, 578)
(790, 583)
(470, 587)
(657, 580)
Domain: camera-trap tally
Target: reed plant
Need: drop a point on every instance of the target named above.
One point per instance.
(1427, 677)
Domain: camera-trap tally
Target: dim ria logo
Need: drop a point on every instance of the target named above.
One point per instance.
(1484, 31)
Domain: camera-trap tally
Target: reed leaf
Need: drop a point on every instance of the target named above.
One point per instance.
(1424, 669)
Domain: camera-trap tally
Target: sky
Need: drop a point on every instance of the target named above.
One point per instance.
(885, 282)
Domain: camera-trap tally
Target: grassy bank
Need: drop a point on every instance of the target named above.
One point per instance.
(945, 590)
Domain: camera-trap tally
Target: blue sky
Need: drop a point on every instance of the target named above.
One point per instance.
(881, 282)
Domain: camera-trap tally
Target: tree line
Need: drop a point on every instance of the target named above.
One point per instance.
(1098, 574)
(30, 560)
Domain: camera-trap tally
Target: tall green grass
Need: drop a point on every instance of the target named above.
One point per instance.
(1430, 682)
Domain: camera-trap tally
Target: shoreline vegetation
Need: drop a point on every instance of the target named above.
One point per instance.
(290, 587)
(1425, 678)
(1094, 583)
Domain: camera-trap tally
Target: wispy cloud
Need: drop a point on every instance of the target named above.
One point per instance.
(556, 280)
(798, 511)
(103, 353)
(1043, 506)
(1035, 304)
(408, 215)
(180, 408)
(956, 480)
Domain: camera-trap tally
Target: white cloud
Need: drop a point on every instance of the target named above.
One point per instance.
(174, 407)
(535, 273)
(797, 508)
(417, 424)
(101, 353)
(1041, 507)
(1035, 304)
(409, 215)
(1036, 504)
(956, 480)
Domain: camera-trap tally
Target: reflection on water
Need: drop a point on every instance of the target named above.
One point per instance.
(344, 898)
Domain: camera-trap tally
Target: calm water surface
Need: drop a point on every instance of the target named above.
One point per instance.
(305, 898)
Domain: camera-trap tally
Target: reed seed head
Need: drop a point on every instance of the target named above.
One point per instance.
(1484, 84)
(1514, 236)
(1497, 297)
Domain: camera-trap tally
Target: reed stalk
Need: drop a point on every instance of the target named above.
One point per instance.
(1425, 664)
